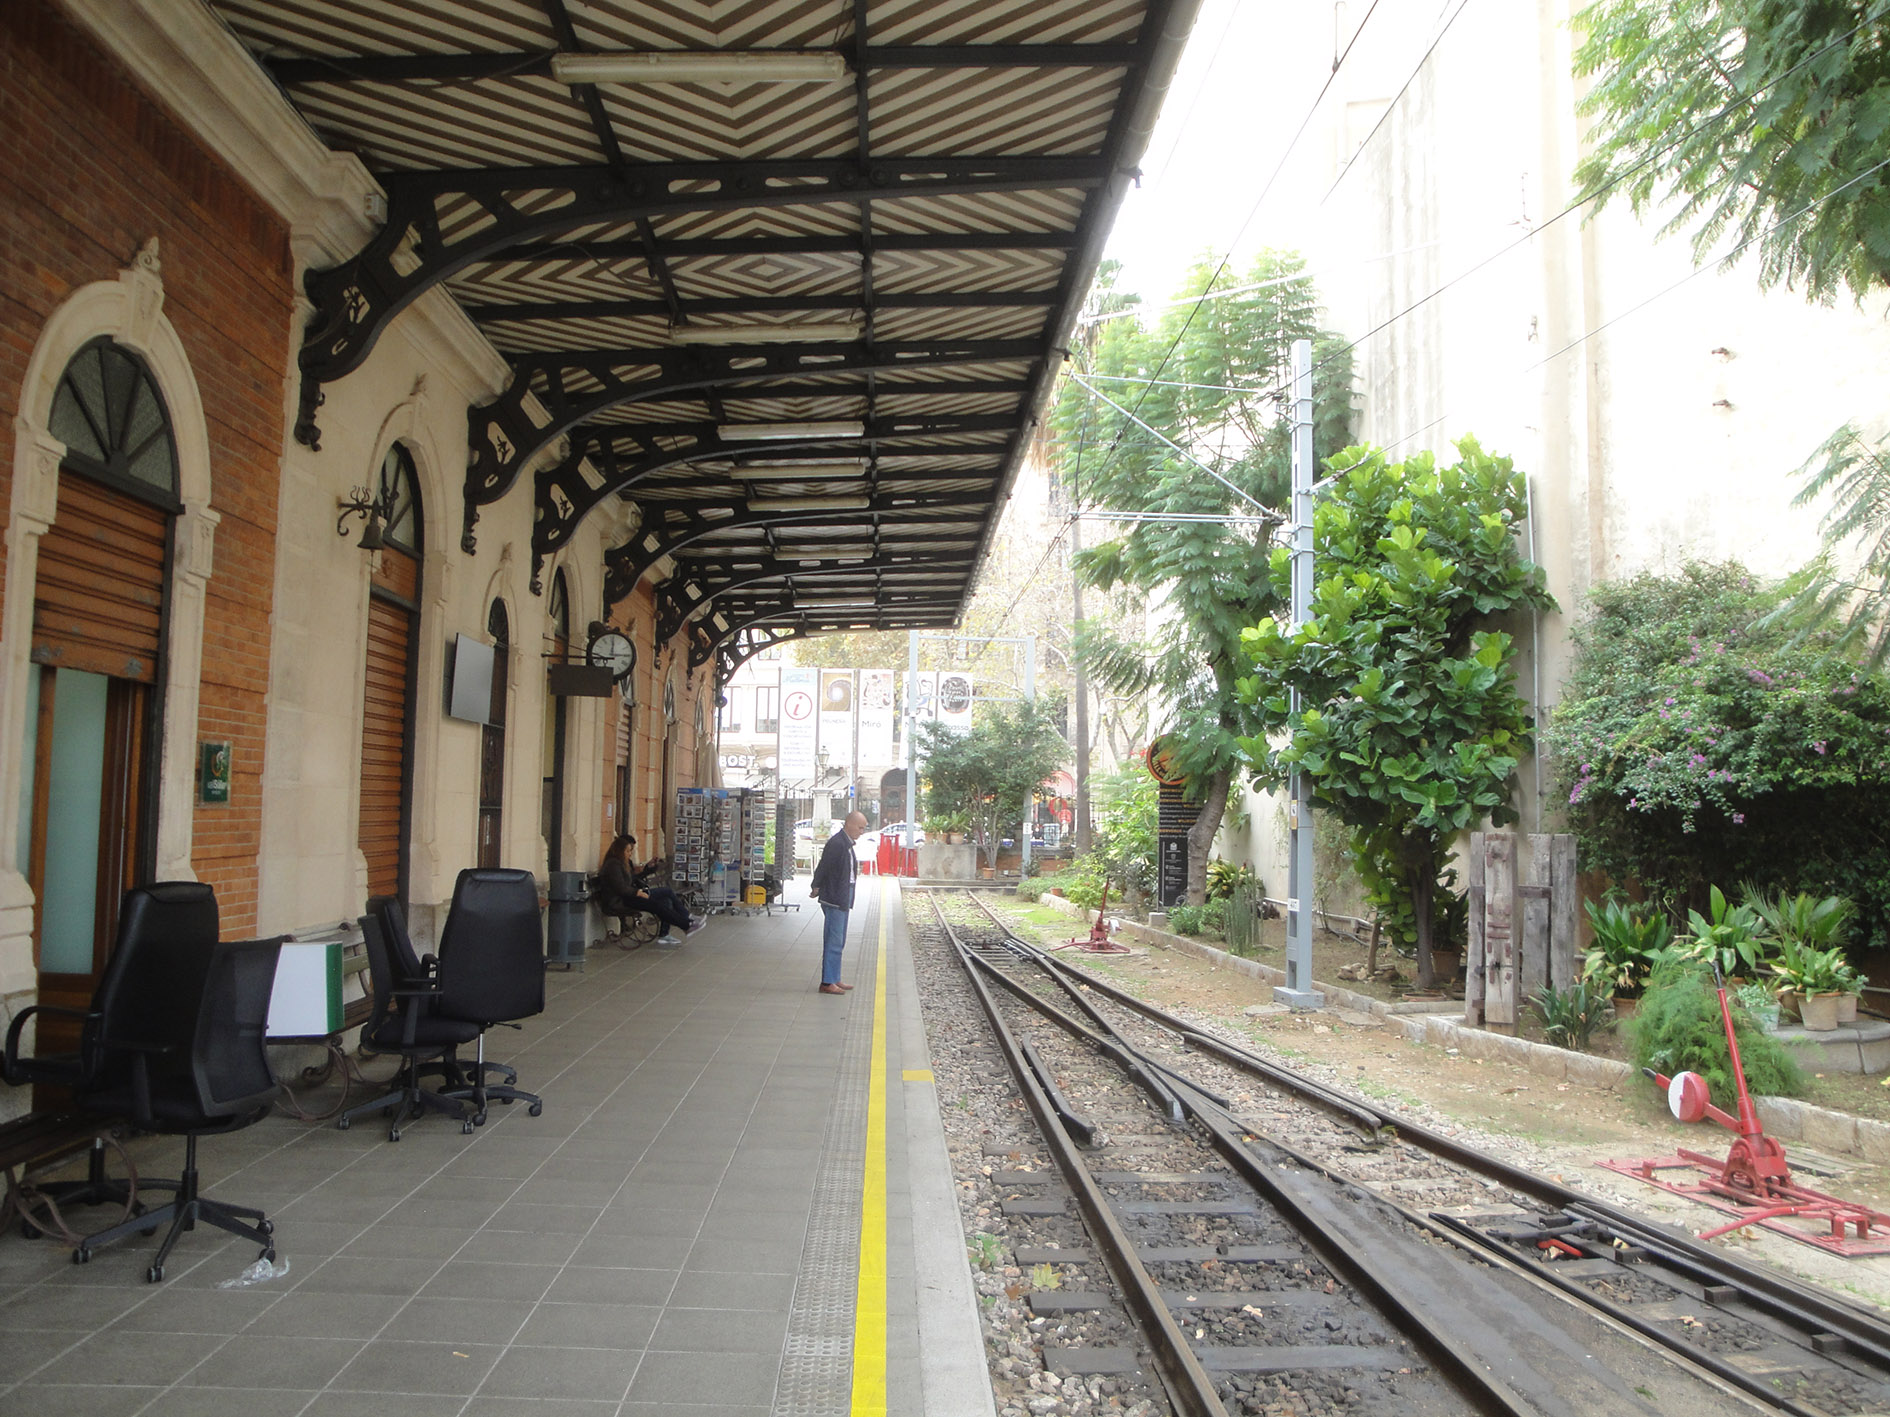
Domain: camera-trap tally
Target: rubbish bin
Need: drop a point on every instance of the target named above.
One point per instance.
(568, 919)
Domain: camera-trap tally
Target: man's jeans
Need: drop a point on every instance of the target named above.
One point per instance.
(833, 939)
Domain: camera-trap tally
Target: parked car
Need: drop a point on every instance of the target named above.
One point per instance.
(905, 833)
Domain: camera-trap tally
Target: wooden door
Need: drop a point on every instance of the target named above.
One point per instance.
(387, 724)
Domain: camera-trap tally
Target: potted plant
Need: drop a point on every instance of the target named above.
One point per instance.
(1851, 984)
(1731, 936)
(1799, 923)
(1625, 948)
(1821, 979)
(1761, 1002)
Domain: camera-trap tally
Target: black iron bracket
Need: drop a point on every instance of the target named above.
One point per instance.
(440, 222)
(505, 435)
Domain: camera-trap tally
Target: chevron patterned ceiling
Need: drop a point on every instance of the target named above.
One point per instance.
(900, 247)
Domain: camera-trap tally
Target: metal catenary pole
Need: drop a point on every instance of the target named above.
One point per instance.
(1298, 992)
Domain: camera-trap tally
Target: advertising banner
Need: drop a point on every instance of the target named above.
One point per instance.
(954, 698)
(876, 717)
(800, 690)
(836, 718)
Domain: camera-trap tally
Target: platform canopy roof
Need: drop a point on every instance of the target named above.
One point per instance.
(789, 278)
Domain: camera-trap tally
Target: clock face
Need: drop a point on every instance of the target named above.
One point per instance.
(615, 652)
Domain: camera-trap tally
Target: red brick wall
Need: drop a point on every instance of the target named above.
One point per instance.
(90, 169)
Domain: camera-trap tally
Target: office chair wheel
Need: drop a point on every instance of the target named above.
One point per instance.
(268, 1254)
(537, 1109)
(268, 1227)
(465, 1127)
(82, 1255)
(393, 1133)
(154, 1274)
(479, 1119)
(343, 1123)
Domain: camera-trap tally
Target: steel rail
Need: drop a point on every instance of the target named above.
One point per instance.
(1776, 1295)
(1331, 1229)
(1190, 1388)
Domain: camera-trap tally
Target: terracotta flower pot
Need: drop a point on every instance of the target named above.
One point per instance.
(1819, 1012)
(1788, 1001)
(1847, 1008)
(1626, 1005)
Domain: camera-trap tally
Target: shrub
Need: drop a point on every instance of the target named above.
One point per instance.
(1678, 1029)
(1626, 947)
(1224, 878)
(1697, 742)
(1208, 919)
(1572, 1016)
(1031, 888)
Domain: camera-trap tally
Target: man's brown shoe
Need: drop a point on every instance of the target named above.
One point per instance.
(833, 988)
(845, 986)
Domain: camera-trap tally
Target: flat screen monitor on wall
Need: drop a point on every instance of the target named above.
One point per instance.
(469, 680)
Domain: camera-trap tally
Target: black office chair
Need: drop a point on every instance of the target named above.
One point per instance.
(406, 1021)
(492, 969)
(154, 917)
(183, 1053)
(410, 966)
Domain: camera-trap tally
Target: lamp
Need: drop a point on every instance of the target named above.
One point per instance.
(766, 432)
(373, 511)
(687, 66)
(793, 470)
(815, 332)
(809, 504)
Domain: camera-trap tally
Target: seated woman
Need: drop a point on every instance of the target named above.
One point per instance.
(621, 891)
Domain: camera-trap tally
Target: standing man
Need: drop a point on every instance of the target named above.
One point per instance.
(832, 884)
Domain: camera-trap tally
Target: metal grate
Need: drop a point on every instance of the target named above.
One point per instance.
(817, 1359)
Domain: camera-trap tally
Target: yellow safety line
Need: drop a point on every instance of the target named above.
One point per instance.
(869, 1300)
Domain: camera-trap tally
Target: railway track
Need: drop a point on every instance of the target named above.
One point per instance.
(1262, 1265)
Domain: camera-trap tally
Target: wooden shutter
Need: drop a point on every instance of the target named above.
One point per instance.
(384, 743)
(98, 600)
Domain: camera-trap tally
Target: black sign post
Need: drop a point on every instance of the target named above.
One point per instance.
(1174, 814)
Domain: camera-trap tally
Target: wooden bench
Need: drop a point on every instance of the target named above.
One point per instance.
(40, 1142)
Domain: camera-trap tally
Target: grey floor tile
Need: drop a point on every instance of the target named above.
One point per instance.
(129, 1359)
(64, 1400)
(317, 1315)
(612, 1286)
(772, 1226)
(593, 1192)
(28, 1350)
(670, 1409)
(637, 1220)
(375, 1404)
(456, 1321)
(389, 1239)
(600, 1251)
(72, 1307)
(183, 1401)
(476, 1279)
(588, 1374)
(705, 1289)
(386, 1365)
(746, 1256)
(730, 1378)
(592, 1325)
(720, 1331)
(221, 1311)
(522, 1246)
(538, 1407)
(527, 1215)
(275, 1361)
(361, 1274)
(693, 1192)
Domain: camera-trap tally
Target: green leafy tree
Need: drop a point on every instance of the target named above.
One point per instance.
(1755, 121)
(1700, 741)
(990, 770)
(1410, 725)
(1207, 376)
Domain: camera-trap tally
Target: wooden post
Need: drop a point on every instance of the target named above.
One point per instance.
(1564, 915)
(1473, 945)
(1499, 930)
(1533, 958)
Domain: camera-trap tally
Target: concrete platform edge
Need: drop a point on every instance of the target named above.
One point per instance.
(953, 1377)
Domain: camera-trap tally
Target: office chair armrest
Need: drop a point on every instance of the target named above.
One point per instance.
(10, 1061)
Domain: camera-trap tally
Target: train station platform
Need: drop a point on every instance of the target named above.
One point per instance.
(737, 1201)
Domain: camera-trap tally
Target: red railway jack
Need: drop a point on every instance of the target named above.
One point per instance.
(1754, 1182)
(1097, 941)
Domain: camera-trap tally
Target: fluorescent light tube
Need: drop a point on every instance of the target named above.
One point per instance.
(686, 66)
(809, 504)
(853, 603)
(787, 471)
(767, 432)
(829, 331)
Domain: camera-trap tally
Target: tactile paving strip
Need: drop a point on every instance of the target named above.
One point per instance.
(817, 1359)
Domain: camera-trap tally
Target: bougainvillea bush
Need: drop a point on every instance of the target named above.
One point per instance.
(1697, 742)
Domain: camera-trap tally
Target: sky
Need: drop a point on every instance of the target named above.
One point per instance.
(1229, 169)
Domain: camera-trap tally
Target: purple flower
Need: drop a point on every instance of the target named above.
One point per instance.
(1759, 676)
(1739, 819)
(1817, 746)
(1670, 703)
